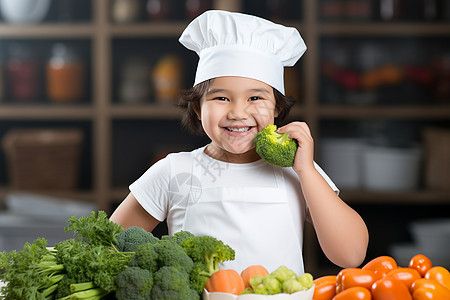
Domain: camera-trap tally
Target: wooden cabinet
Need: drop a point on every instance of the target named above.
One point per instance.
(115, 131)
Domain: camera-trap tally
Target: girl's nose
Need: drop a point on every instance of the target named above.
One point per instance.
(238, 111)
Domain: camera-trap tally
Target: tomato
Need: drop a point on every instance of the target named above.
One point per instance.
(381, 265)
(252, 271)
(421, 263)
(324, 287)
(390, 289)
(339, 278)
(356, 277)
(226, 281)
(354, 293)
(429, 284)
(427, 293)
(406, 275)
(440, 274)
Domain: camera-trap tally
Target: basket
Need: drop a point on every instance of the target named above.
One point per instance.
(43, 158)
(437, 163)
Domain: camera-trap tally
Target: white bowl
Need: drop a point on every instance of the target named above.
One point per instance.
(302, 295)
(433, 234)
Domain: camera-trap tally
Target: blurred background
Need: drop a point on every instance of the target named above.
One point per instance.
(87, 93)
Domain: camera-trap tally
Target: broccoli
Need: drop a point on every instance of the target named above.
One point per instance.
(134, 283)
(172, 254)
(207, 253)
(275, 148)
(171, 283)
(129, 239)
(145, 257)
(178, 237)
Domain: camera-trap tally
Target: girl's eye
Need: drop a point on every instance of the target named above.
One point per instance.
(254, 98)
(221, 98)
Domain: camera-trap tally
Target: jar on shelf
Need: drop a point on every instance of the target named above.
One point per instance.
(158, 10)
(134, 85)
(167, 78)
(125, 11)
(22, 73)
(391, 10)
(65, 74)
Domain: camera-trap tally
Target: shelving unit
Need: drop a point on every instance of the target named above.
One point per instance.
(102, 111)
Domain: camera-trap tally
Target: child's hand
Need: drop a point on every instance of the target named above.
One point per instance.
(304, 158)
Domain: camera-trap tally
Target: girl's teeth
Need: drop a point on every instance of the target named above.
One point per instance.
(242, 129)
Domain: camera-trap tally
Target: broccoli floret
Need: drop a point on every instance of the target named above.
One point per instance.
(145, 257)
(129, 239)
(134, 283)
(207, 253)
(178, 237)
(172, 254)
(275, 148)
(171, 283)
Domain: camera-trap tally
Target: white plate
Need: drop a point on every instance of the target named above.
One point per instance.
(302, 295)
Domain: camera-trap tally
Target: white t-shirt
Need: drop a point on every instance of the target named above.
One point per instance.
(169, 186)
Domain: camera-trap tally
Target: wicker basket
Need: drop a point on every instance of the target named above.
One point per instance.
(437, 164)
(43, 158)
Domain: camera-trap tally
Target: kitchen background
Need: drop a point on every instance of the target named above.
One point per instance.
(87, 89)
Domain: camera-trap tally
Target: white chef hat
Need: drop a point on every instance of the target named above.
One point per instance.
(237, 44)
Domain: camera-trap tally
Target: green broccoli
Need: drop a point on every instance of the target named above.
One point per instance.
(134, 283)
(178, 237)
(171, 283)
(275, 148)
(172, 254)
(129, 239)
(145, 257)
(207, 253)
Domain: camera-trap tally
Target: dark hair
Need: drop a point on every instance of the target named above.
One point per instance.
(190, 99)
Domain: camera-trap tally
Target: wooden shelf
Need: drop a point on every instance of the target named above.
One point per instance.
(149, 29)
(46, 112)
(402, 197)
(380, 111)
(47, 31)
(153, 111)
(385, 29)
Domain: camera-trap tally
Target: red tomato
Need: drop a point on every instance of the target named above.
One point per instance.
(429, 284)
(421, 263)
(390, 289)
(427, 293)
(381, 265)
(354, 293)
(358, 277)
(406, 275)
(440, 274)
(325, 287)
(339, 278)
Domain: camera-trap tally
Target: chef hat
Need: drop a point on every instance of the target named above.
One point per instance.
(236, 44)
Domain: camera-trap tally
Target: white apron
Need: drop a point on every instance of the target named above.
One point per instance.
(254, 221)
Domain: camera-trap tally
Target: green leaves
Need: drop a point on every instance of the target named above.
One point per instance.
(96, 228)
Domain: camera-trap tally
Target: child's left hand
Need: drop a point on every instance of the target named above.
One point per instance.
(304, 157)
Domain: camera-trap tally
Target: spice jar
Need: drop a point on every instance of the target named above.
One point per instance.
(167, 78)
(22, 72)
(134, 85)
(125, 11)
(65, 74)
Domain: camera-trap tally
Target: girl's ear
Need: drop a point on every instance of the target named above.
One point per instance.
(197, 111)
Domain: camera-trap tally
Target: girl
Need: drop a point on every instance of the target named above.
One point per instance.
(224, 189)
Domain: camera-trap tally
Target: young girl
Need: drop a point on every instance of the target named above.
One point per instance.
(224, 189)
